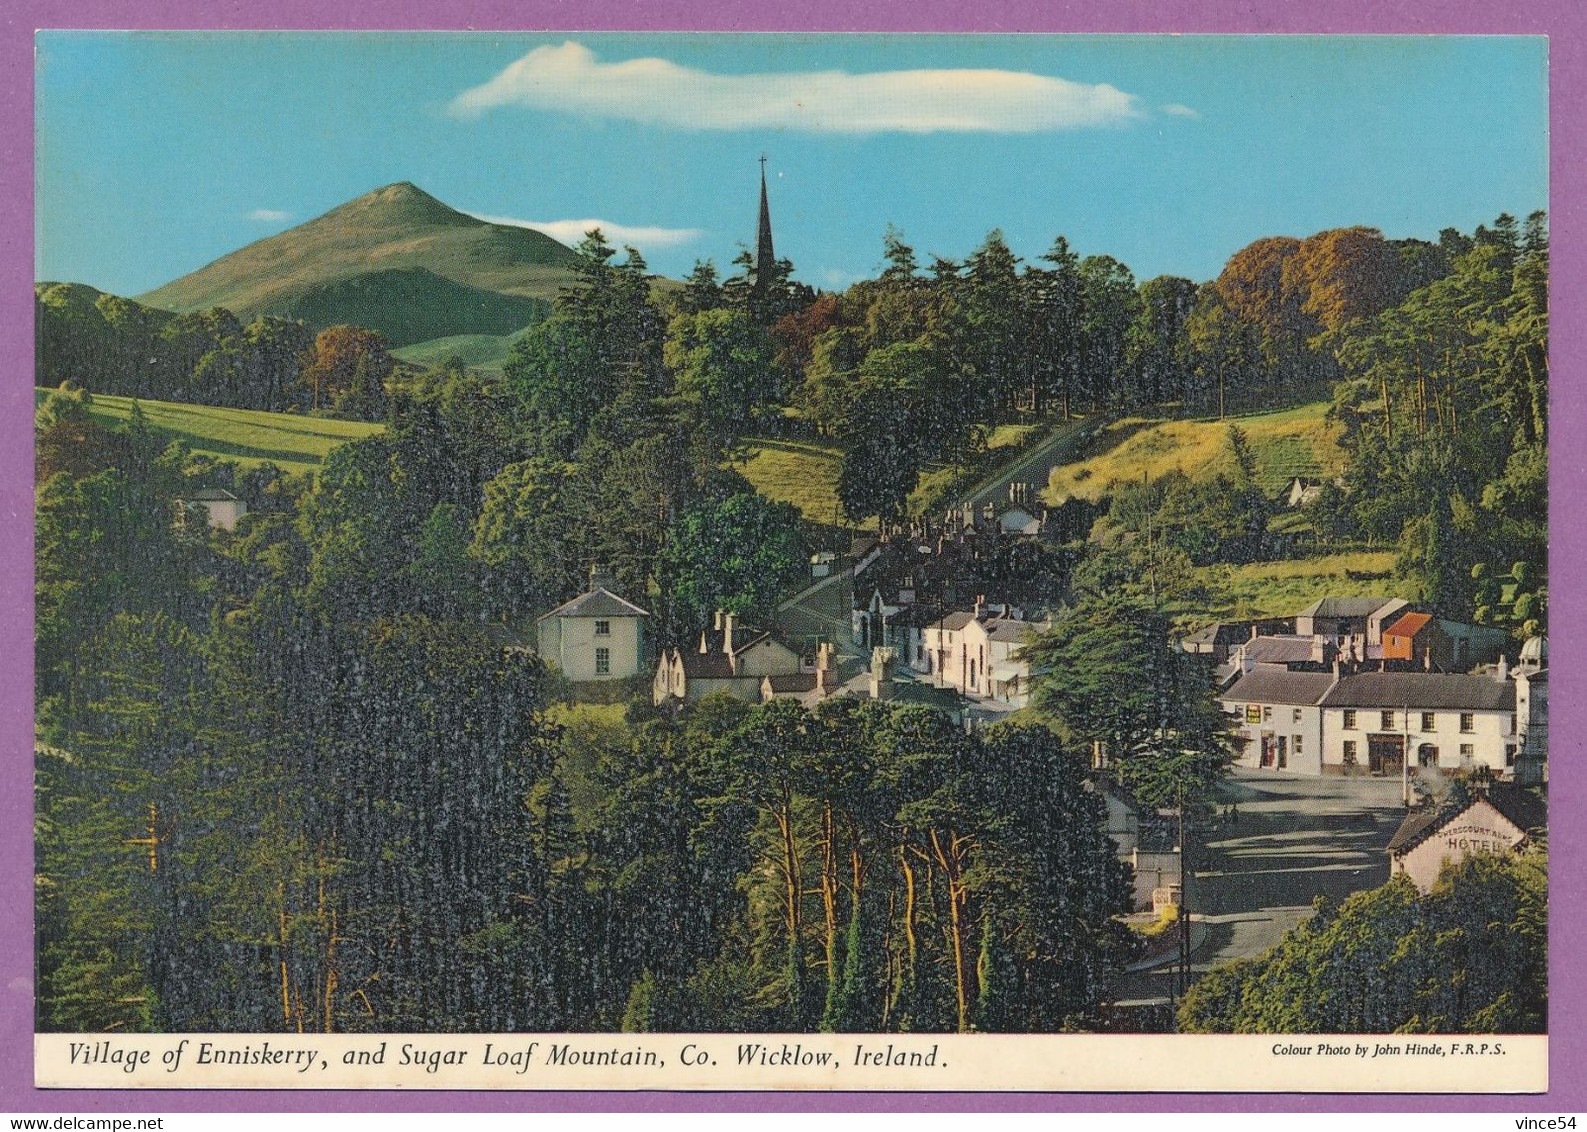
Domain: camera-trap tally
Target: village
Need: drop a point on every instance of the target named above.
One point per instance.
(1369, 738)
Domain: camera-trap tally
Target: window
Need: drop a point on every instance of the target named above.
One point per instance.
(1295, 716)
(1267, 714)
(1350, 752)
(1468, 722)
(1512, 724)
(1350, 719)
(1509, 754)
(603, 662)
(603, 628)
(1468, 752)
(1294, 742)
(1386, 720)
(1428, 721)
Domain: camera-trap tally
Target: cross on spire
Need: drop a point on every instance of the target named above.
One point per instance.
(765, 257)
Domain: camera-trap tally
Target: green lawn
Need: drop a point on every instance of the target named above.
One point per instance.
(797, 472)
(246, 437)
(1292, 442)
(478, 351)
(1274, 589)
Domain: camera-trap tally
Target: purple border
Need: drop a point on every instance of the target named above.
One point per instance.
(1562, 20)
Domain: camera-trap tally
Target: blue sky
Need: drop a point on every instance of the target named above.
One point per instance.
(158, 152)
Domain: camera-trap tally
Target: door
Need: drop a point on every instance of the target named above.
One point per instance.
(1386, 754)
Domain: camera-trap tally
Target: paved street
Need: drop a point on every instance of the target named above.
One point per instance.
(1255, 879)
(820, 610)
(1035, 466)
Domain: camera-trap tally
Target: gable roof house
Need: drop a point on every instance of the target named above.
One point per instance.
(1277, 717)
(1439, 720)
(730, 658)
(978, 652)
(1347, 616)
(1502, 819)
(596, 636)
(221, 509)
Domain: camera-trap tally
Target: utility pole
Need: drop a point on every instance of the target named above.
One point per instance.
(1405, 759)
(1183, 980)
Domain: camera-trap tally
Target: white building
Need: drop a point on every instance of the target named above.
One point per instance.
(596, 636)
(1500, 821)
(977, 652)
(1452, 722)
(1278, 720)
(221, 509)
(729, 658)
(1531, 712)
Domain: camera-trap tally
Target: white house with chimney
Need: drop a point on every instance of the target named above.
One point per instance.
(978, 652)
(596, 636)
(730, 658)
(1438, 720)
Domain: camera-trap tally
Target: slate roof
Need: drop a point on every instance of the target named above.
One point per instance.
(1344, 607)
(794, 682)
(706, 665)
(1425, 691)
(1008, 629)
(1279, 650)
(1271, 684)
(597, 603)
(954, 621)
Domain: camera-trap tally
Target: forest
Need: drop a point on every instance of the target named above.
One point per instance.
(304, 776)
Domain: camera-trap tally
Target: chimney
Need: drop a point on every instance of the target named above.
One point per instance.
(717, 625)
(882, 673)
(980, 605)
(1501, 671)
(1319, 652)
(1246, 663)
(727, 633)
(703, 647)
(1336, 669)
(1253, 630)
(823, 657)
(1427, 658)
(599, 578)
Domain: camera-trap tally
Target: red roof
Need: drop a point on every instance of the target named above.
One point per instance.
(1409, 625)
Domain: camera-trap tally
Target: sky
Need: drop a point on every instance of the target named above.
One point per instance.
(158, 152)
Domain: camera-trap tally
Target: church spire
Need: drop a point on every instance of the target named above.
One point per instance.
(765, 257)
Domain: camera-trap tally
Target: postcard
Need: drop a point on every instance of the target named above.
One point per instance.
(791, 562)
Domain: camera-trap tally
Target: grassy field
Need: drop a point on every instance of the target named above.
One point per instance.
(478, 351)
(797, 472)
(244, 436)
(1261, 589)
(1293, 442)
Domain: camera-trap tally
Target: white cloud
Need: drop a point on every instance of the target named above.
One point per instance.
(657, 91)
(1180, 110)
(269, 215)
(570, 232)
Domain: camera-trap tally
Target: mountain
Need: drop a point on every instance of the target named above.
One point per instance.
(396, 260)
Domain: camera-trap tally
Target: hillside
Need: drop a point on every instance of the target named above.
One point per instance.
(797, 472)
(396, 229)
(244, 436)
(1287, 443)
(478, 351)
(412, 305)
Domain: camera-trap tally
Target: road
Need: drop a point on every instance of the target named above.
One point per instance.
(1254, 880)
(1034, 466)
(822, 609)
